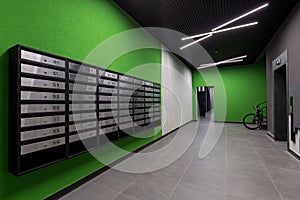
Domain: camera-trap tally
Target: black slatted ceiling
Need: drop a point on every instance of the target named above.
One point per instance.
(197, 16)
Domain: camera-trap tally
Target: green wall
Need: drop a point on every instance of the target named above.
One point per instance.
(70, 28)
(245, 86)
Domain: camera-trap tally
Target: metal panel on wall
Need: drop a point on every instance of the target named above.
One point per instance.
(61, 108)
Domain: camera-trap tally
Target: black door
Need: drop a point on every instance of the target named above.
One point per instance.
(280, 104)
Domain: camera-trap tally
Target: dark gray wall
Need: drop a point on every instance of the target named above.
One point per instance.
(287, 38)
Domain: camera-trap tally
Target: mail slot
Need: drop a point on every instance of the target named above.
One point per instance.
(148, 89)
(82, 126)
(79, 107)
(110, 75)
(82, 78)
(25, 95)
(149, 84)
(108, 82)
(156, 99)
(108, 130)
(156, 85)
(125, 78)
(108, 106)
(125, 92)
(125, 85)
(148, 105)
(140, 122)
(124, 99)
(125, 105)
(30, 69)
(82, 69)
(149, 94)
(138, 87)
(85, 116)
(36, 121)
(125, 119)
(137, 117)
(124, 112)
(108, 98)
(108, 114)
(137, 81)
(148, 99)
(138, 105)
(38, 83)
(108, 90)
(125, 126)
(34, 134)
(30, 148)
(82, 136)
(83, 88)
(136, 111)
(137, 93)
(42, 59)
(139, 99)
(36, 108)
(107, 122)
(82, 97)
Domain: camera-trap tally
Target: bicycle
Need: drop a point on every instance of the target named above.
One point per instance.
(256, 120)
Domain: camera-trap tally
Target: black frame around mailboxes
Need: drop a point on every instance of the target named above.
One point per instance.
(41, 129)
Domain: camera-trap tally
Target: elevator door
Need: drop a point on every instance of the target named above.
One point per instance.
(280, 104)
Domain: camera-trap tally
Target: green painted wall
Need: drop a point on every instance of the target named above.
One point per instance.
(245, 86)
(70, 28)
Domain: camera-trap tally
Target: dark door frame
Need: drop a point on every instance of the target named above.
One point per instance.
(197, 102)
(279, 62)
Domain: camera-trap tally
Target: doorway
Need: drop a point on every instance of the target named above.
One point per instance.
(205, 99)
(280, 104)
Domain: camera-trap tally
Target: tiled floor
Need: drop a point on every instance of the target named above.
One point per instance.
(244, 165)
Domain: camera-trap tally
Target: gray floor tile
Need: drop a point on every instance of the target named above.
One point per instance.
(247, 169)
(208, 173)
(273, 152)
(250, 188)
(289, 192)
(124, 197)
(283, 176)
(149, 187)
(92, 191)
(191, 192)
(283, 163)
(116, 180)
(228, 197)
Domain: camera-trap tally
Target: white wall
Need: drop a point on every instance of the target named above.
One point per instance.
(176, 81)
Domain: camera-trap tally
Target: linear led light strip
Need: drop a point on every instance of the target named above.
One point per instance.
(216, 30)
(227, 61)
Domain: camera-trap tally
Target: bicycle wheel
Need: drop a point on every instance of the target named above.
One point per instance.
(251, 121)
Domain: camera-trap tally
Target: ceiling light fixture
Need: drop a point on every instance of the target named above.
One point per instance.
(227, 61)
(220, 31)
(215, 30)
(242, 16)
(190, 44)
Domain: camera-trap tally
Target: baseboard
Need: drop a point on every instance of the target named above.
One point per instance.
(294, 154)
(100, 171)
(270, 135)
